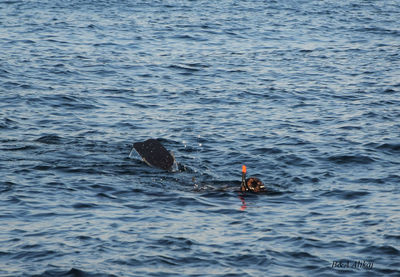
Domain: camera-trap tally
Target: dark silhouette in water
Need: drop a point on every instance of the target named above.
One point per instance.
(155, 154)
(251, 184)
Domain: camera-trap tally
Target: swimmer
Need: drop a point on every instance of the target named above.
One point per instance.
(251, 184)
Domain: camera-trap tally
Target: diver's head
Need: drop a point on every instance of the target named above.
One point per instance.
(252, 184)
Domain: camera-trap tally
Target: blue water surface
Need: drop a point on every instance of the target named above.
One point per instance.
(306, 94)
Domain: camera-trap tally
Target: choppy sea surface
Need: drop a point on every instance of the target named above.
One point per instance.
(306, 94)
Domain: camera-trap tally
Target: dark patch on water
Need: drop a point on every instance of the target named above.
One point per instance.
(73, 272)
(50, 139)
(345, 194)
(84, 205)
(350, 159)
(392, 147)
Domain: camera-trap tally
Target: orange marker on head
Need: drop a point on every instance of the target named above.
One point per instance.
(244, 186)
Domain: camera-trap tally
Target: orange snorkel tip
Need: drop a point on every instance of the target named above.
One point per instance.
(244, 186)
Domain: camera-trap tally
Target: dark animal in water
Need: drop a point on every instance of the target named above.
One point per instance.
(154, 154)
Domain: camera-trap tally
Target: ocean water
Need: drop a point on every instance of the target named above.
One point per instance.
(306, 94)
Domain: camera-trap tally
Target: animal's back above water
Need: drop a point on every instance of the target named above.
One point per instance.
(154, 154)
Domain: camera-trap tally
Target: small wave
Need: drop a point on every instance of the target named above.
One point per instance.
(63, 101)
(185, 68)
(379, 31)
(4, 73)
(73, 272)
(105, 44)
(392, 236)
(8, 124)
(345, 194)
(19, 148)
(267, 150)
(11, 2)
(350, 127)
(300, 255)
(42, 167)
(304, 180)
(292, 159)
(45, 215)
(176, 243)
(29, 254)
(371, 181)
(348, 159)
(113, 91)
(393, 147)
(381, 250)
(84, 205)
(50, 139)
(176, 260)
(105, 195)
(190, 37)
(128, 262)
(6, 186)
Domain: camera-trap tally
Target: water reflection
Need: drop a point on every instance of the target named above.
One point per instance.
(243, 206)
